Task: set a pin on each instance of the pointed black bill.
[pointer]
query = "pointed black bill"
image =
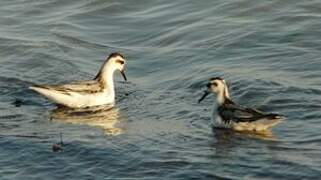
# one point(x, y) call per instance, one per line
point(204, 96)
point(123, 74)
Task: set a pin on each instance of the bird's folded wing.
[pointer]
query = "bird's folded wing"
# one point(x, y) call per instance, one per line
point(238, 113)
point(77, 87)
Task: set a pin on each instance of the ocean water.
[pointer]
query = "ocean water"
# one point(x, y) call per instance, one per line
point(268, 51)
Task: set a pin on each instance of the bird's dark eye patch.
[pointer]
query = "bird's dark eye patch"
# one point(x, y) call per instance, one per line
point(214, 84)
point(120, 61)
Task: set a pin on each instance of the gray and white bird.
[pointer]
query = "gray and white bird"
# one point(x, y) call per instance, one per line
point(228, 114)
point(82, 94)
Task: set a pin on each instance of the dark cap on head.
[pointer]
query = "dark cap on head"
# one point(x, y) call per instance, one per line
point(114, 54)
point(216, 78)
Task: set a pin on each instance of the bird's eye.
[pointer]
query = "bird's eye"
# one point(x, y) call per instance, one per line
point(120, 61)
point(214, 84)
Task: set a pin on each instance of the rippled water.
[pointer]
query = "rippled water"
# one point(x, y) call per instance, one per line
point(269, 52)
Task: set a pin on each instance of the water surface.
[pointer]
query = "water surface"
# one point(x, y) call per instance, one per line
point(268, 51)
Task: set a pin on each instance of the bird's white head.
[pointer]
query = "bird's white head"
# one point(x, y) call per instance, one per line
point(118, 62)
point(218, 87)
point(115, 61)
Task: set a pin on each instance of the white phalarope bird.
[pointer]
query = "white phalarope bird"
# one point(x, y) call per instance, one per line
point(82, 94)
point(234, 116)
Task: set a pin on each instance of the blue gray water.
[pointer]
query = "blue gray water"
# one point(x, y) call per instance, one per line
point(268, 51)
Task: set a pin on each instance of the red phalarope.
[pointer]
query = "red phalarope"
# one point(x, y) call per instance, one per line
point(234, 116)
point(96, 92)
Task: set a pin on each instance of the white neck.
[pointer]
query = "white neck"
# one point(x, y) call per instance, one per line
point(223, 95)
point(220, 98)
point(106, 77)
point(227, 94)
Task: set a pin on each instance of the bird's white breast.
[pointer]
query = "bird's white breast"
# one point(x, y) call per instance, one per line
point(85, 100)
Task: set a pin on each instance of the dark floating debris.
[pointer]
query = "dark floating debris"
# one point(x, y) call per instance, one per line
point(58, 146)
point(17, 102)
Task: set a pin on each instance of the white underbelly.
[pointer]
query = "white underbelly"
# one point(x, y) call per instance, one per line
point(259, 125)
point(79, 100)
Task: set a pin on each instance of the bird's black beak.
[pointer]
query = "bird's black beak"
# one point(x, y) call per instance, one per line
point(123, 74)
point(204, 96)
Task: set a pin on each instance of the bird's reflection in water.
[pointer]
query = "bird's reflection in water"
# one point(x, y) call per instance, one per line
point(227, 134)
point(226, 140)
point(104, 117)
